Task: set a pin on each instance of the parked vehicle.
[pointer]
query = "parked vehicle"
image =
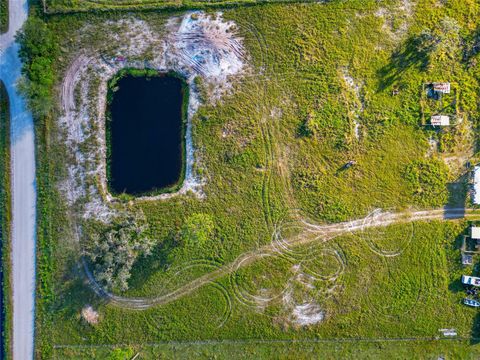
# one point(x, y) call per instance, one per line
point(471, 302)
point(470, 280)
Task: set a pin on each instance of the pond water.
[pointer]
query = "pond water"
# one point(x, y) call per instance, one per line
point(145, 134)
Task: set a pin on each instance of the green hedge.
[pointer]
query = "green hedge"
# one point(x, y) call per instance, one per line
point(5, 215)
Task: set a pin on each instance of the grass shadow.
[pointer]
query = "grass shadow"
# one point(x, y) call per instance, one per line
point(77, 293)
point(457, 197)
point(456, 285)
point(146, 266)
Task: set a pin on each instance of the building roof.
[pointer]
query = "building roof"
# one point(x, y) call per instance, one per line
point(442, 87)
point(440, 120)
point(475, 232)
point(476, 185)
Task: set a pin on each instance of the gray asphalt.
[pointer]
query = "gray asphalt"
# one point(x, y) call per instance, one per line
point(23, 191)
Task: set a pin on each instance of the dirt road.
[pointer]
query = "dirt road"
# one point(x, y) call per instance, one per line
point(23, 190)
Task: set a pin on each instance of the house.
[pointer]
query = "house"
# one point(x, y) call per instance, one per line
point(476, 185)
point(441, 87)
point(440, 120)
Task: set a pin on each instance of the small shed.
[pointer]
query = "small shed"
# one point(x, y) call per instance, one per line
point(476, 185)
point(440, 120)
point(442, 87)
point(475, 232)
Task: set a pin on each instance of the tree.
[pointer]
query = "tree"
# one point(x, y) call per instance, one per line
point(114, 248)
point(38, 51)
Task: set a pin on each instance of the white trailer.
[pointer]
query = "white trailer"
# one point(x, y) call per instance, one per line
point(442, 87)
point(440, 120)
point(470, 280)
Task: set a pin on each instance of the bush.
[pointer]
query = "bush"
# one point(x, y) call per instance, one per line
point(198, 238)
point(37, 50)
point(114, 248)
point(197, 230)
point(121, 354)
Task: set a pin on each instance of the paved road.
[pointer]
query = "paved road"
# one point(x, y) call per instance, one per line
point(23, 191)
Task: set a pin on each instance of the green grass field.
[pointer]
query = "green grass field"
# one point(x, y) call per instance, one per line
point(322, 95)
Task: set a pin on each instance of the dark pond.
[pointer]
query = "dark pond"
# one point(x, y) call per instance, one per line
point(145, 134)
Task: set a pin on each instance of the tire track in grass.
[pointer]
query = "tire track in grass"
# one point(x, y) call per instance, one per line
point(323, 234)
point(375, 248)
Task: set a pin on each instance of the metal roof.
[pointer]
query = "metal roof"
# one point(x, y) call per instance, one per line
point(476, 185)
point(440, 120)
point(475, 232)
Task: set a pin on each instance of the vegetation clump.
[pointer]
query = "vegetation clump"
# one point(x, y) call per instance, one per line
point(113, 249)
point(38, 48)
point(197, 230)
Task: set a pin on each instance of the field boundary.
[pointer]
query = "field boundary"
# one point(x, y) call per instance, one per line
point(265, 341)
point(5, 224)
point(184, 6)
point(153, 6)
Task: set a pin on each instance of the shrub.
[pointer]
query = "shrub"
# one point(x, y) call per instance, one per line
point(37, 50)
point(197, 230)
point(114, 248)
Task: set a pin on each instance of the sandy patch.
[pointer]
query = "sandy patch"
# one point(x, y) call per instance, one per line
point(359, 104)
point(90, 315)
